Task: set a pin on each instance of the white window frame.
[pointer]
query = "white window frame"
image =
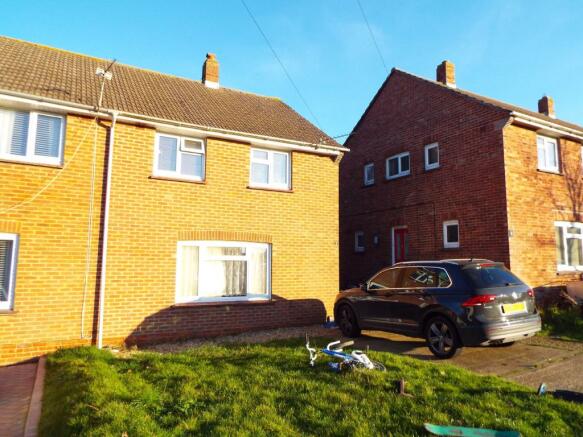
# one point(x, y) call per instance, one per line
point(180, 142)
point(30, 156)
point(357, 247)
point(451, 244)
point(9, 304)
point(565, 225)
point(270, 164)
point(434, 165)
point(545, 142)
point(368, 181)
point(217, 243)
point(400, 173)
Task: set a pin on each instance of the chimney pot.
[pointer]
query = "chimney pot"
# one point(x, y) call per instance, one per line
point(546, 105)
point(445, 73)
point(210, 71)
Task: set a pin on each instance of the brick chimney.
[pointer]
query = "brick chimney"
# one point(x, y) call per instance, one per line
point(446, 73)
point(546, 105)
point(210, 71)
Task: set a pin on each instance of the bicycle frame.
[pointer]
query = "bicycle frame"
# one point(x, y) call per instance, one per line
point(334, 349)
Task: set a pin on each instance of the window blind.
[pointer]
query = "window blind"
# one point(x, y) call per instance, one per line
point(48, 134)
point(5, 259)
point(19, 133)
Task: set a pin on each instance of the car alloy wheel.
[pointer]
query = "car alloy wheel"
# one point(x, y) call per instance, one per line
point(347, 322)
point(441, 338)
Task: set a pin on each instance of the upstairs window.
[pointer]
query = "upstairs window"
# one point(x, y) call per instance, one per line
point(432, 156)
point(179, 157)
point(31, 137)
point(359, 241)
point(8, 250)
point(222, 271)
point(369, 174)
point(398, 166)
point(569, 245)
point(548, 154)
point(451, 234)
point(270, 169)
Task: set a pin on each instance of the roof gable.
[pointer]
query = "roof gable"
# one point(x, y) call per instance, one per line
point(69, 77)
point(478, 99)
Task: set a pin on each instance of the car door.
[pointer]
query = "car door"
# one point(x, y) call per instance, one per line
point(373, 308)
point(411, 297)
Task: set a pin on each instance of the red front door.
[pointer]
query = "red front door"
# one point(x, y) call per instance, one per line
point(400, 243)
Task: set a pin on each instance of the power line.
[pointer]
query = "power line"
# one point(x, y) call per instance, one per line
point(281, 64)
point(374, 40)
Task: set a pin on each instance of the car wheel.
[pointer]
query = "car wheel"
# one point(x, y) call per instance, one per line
point(442, 338)
point(347, 322)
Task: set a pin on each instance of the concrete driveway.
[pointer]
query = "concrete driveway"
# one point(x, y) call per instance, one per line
point(558, 363)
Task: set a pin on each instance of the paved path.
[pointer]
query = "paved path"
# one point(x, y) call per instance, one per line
point(557, 363)
point(16, 383)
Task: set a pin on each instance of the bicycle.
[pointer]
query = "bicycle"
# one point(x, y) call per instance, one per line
point(355, 360)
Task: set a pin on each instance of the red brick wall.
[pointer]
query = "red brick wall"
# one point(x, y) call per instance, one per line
point(536, 200)
point(407, 114)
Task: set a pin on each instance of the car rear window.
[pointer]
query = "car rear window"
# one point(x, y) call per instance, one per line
point(491, 275)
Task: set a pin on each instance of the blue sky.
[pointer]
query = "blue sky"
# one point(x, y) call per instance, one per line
point(515, 51)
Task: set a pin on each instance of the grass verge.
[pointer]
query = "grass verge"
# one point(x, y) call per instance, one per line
point(566, 324)
point(266, 389)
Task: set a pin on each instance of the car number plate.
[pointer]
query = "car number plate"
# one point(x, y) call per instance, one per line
point(513, 308)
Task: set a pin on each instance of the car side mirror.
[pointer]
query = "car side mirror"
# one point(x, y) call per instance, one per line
point(364, 286)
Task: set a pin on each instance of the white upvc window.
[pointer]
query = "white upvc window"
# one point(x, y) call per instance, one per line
point(548, 154)
point(432, 156)
point(569, 245)
point(369, 174)
point(270, 169)
point(398, 166)
point(178, 157)
point(451, 234)
point(32, 137)
point(359, 241)
point(8, 259)
point(222, 271)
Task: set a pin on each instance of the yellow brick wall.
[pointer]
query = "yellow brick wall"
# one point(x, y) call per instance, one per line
point(53, 231)
point(147, 218)
point(535, 200)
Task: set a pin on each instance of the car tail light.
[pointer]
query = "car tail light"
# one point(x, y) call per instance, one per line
point(479, 300)
point(530, 292)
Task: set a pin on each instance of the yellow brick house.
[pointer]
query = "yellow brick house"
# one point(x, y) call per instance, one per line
point(137, 206)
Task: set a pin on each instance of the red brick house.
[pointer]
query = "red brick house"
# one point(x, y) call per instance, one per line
point(161, 208)
point(439, 172)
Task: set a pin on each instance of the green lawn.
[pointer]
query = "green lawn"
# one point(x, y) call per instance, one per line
point(270, 389)
point(566, 324)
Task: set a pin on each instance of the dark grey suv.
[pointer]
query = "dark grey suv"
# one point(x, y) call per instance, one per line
point(450, 303)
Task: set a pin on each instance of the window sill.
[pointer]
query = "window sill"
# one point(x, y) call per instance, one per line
point(394, 178)
point(279, 190)
point(558, 173)
point(427, 170)
point(36, 164)
point(569, 272)
point(367, 185)
point(224, 303)
point(166, 178)
point(451, 248)
point(8, 312)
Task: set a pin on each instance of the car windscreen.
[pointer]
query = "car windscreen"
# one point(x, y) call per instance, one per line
point(490, 275)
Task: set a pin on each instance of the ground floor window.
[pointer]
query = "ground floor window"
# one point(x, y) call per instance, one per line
point(451, 234)
point(569, 245)
point(222, 270)
point(8, 251)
